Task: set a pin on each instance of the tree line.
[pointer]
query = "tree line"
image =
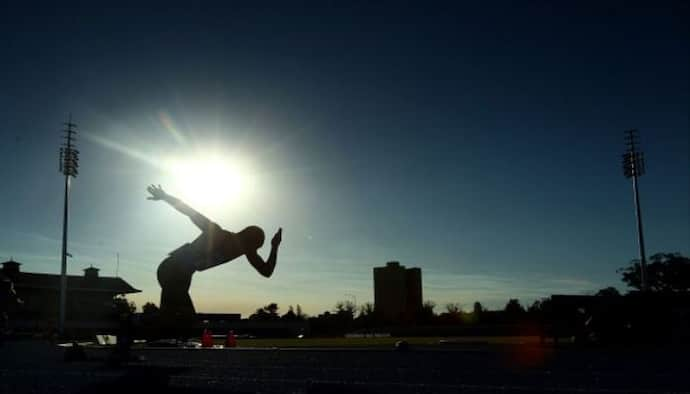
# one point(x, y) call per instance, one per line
point(666, 273)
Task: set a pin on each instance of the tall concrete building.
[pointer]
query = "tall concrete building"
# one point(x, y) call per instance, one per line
point(397, 292)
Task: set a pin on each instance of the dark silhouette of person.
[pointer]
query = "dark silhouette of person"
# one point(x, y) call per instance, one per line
point(7, 297)
point(214, 246)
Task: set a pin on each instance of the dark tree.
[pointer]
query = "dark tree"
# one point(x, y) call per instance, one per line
point(427, 314)
point(339, 322)
point(367, 317)
point(541, 309)
point(289, 315)
point(452, 315)
point(513, 307)
point(272, 309)
point(300, 315)
point(150, 323)
point(539, 306)
point(514, 312)
point(608, 292)
point(453, 308)
point(122, 306)
point(149, 308)
point(429, 305)
point(666, 272)
point(345, 309)
point(477, 309)
point(268, 312)
point(366, 310)
point(294, 314)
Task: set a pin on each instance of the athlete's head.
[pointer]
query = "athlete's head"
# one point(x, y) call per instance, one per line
point(252, 237)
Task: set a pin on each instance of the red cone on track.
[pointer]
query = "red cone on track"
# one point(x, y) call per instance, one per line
point(231, 340)
point(207, 338)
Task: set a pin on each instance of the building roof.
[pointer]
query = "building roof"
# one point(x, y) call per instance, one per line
point(74, 283)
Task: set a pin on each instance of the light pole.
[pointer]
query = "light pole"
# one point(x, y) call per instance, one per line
point(633, 167)
point(69, 163)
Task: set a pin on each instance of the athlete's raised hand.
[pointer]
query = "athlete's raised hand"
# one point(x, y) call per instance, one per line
point(277, 238)
point(157, 193)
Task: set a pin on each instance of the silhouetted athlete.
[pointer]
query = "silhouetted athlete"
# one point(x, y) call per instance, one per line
point(214, 246)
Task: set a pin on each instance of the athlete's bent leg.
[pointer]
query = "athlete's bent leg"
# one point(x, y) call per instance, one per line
point(177, 312)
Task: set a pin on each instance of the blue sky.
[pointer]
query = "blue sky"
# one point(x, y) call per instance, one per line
point(480, 144)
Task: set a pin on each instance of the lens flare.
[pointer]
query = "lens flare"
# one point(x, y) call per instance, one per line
point(169, 124)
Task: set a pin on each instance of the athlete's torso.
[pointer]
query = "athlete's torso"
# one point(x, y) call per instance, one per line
point(212, 247)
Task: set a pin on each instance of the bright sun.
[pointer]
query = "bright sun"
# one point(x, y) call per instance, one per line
point(209, 182)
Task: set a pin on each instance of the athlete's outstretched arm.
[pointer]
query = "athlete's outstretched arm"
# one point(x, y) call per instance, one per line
point(157, 193)
point(265, 268)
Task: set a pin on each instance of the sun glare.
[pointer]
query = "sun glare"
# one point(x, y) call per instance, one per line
point(209, 182)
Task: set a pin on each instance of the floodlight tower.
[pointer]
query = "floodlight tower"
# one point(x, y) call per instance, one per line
point(69, 163)
point(633, 167)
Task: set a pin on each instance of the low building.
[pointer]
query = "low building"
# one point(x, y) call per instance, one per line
point(89, 302)
point(397, 292)
point(218, 322)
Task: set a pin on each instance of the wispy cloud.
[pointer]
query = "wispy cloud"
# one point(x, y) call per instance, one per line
point(124, 149)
